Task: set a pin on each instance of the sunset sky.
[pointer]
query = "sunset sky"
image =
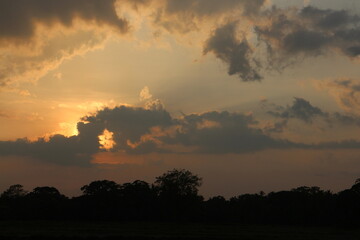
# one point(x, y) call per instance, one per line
point(250, 95)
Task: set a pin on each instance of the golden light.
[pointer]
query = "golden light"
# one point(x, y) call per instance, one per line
point(106, 140)
point(68, 129)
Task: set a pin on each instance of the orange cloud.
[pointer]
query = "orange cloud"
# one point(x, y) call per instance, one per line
point(346, 92)
point(40, 35)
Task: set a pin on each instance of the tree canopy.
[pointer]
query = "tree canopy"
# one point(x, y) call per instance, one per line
point(100, 187)
point(14, 191)
point(178, 182)
point(174, 196)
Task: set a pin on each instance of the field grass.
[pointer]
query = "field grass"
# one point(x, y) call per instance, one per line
point(162, 231)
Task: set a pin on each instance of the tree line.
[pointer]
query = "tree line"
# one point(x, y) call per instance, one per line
point(174, 196)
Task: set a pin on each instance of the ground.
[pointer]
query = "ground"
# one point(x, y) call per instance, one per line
point(162, 231)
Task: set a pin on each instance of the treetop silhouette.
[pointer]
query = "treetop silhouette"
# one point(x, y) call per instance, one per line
point(100, 187)
point(178, 183)
point(174, 196)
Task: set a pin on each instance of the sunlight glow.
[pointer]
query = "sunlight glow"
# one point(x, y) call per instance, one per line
point(68, 129)
point(106, 140)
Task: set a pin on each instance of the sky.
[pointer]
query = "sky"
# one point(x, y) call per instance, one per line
point(251, 95)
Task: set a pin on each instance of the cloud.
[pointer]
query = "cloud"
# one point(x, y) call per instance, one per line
point(145, 94)
point(151, 103)
point(328, 19)
point(304, 41)
point(36, 36)
point(282, 38)
point(126, 123)
point(345, 91)
point(346, 144)
point(131, 130)
point(298, 33)
point(234, 52)
point(183, 18)
point(58, 149)
point(303, 110)
point(251, 37)
point(347, 119)
point(306, 3)
point(19, 18)
point(276, 127)
point(247, 35)
point(154, 104)
point(189, 15)
point(17, 66)
point(140, 131)
point(231, 133)
point(300, 109)
point(212, 7)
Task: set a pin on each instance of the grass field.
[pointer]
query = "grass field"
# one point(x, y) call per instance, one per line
point(162, 231)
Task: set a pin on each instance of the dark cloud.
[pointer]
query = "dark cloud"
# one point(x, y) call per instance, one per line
point(305, 41)
point(328, 19)
point(346, 144)
point(222, 132)
point(288, 36)
point(308, 32)
point(276, 127)
point(212, 7)
point(58, 149)
point(18, 18)
point(134, 133)
point(36, 36)
point(300, 109)
point(186, 15)
point(127, 123)
point(346, 92)
point(284, 37)
point(146, 147)
point(346, 119)
point(352, 51)
point(236, 53)
point(303, 110)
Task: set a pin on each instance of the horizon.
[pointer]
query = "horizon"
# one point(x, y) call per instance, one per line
point(153, 184)
point(251, 95)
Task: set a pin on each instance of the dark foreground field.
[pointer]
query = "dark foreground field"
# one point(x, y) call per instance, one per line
point(111, 230)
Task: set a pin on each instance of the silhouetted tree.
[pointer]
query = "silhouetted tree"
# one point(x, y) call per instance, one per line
point(46, 192)
point(14, 191)
point(138, 200)
point(46, 203)
point(175, 196)
point(178, 193)
point(178, 183)
point(101, 187)
point(216, 209)
point(100, 200)
point(12, 202)
point(347, 205)
point(311, 205)
point(356, 186)
point(136, 191)
point(249, 208)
